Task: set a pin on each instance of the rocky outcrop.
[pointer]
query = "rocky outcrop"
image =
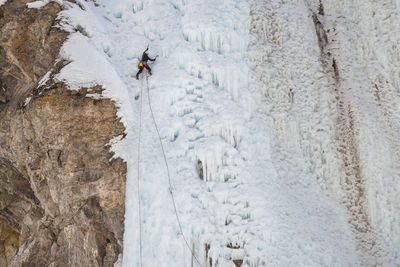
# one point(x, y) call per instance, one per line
point(62, 194)
point(29, 43)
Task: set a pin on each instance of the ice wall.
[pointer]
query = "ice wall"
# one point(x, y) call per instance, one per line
point(364, 38)
point(329, 74)
point(279, 120)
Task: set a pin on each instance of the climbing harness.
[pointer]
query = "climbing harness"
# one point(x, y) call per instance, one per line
point(168, 174)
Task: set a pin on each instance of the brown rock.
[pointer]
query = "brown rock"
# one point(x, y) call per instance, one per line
point(62, 198)
point(8, 243)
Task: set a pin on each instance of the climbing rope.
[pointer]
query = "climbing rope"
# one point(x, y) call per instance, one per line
point(169, 176)
point(138, 175)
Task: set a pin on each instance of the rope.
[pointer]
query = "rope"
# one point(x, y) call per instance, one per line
point(169, 176)
point(138, 174)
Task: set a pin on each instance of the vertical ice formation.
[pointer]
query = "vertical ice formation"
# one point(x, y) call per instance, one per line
point(260, 107)
point(345, 105)
point(362, 55)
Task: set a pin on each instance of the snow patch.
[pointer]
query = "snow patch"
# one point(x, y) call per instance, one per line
point(27, 100)
point(80, 72)
point(42, 3)
point(45, 78)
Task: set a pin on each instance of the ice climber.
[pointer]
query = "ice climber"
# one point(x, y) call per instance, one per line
point(143, 63)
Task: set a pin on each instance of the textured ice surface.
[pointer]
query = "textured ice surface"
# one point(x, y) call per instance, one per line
point(251, 167)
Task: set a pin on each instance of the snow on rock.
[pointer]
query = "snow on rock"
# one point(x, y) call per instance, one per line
point(41, 3)
point(27, 100)
point(37, 4)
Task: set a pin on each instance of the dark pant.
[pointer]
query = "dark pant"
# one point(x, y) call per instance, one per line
point(141, 69)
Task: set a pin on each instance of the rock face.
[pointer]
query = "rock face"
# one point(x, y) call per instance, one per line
point(61, 195)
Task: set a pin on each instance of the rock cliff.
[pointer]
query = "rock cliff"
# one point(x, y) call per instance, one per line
point(62, 197)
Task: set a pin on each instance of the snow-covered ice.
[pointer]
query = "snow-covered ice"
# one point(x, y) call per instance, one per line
point(252, 173)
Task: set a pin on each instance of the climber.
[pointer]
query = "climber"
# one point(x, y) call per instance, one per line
point(143, 63)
